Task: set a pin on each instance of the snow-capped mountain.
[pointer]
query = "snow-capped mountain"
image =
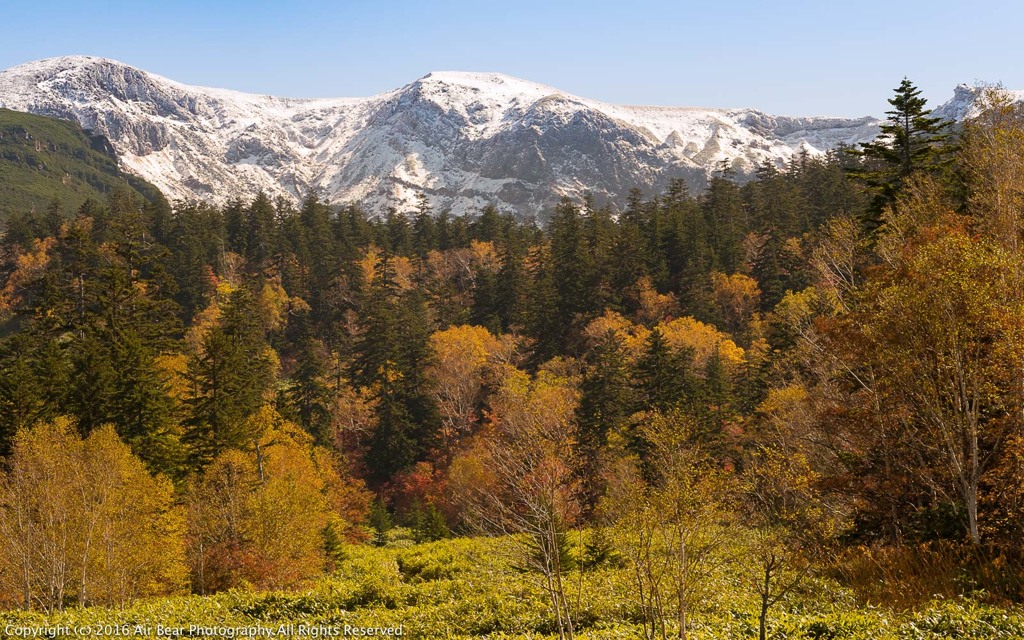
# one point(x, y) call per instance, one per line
point(463, 139)
point(967, 101)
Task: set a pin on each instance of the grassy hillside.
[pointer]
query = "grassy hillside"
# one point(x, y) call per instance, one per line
point(467, 588)
point(44, 159)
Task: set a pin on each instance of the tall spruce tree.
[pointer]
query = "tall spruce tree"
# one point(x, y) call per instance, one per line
point(911, 140)
point(424, 228)
point(664, 376)
point(725, 221)
point(310, 394)
point(390, 360)
point(230, 375)
point(607, 396)
point(572, 269)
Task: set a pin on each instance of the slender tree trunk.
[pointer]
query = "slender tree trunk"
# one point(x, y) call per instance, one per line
point(763, 619)
point(765, 602)
point(554, 602)
point(681, 589)
point(559, 585)
point(972, 511)
point(259, 461)
point(972, 489)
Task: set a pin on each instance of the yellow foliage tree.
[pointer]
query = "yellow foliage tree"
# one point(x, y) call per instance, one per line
point(258, 517)
point(27, 267)
point(736, 297)
point(670, 530)
point(654, 307)
point(461, 357)
point(995, 167)
point(703, 340)
point(139, 532)
point(630, 335)
point(402, 266)
point(520, 477)
point(353, 416)
point(84, 521)
point(944, 339)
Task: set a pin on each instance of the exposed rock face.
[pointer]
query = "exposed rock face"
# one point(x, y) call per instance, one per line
point(464, 139)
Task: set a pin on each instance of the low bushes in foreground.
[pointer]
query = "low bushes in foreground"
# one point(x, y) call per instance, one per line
point(471, 588)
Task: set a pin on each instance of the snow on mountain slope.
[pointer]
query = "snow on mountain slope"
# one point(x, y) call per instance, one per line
point(464, 139)
point(967, 100)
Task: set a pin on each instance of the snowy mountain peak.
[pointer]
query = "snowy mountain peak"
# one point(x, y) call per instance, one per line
point(64, 63)
point(463, 139)
point(967, 101)
point(495, 86)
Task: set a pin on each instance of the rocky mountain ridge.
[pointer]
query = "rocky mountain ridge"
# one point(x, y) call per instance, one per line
point(463, 139)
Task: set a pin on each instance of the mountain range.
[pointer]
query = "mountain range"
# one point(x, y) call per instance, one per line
point(464, 140)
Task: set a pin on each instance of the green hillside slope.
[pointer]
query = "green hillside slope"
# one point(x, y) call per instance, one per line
point(43, 160)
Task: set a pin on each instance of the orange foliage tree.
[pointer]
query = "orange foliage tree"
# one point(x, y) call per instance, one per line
point(461, 357)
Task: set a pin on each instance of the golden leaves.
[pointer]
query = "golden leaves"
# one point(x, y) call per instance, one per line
point(737, 297)
point(84, 519)
point(703, 339)
point(256, 516)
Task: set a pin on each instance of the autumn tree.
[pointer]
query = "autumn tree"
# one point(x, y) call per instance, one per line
point(736, 298)
point(942, 334)
point(787, 521)
point(259, 516)
point(458, 369)
point(994, 165)
point(84, 521)
point(671, 530)
point(523, 481)
point(134, 541)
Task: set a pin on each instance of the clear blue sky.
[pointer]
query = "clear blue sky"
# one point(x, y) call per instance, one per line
point(789, 56)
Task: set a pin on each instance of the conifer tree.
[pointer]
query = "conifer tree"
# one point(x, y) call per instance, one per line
point(664, 376)
point(676, 218)
point(485, 311)
point(390, 359)
point(487, 227)
point(911, 140)
point(398, 233)
point(628, 253)
point(260, 232)
point(572, 270)
point(229, 375)
point(543, 318)
point(424, 228)
point(23, 397)
point(322, 251)
point(607, 398)
point(310, 394)
point(196, 250)
point(725, 221)
point(510, 285)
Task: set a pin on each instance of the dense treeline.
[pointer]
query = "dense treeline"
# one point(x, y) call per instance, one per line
point(178, 325)
point(826, 354)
